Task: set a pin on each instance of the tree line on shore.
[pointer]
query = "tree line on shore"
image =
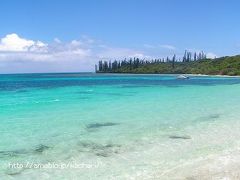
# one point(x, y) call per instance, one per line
point(190, 63)
point(134, 63)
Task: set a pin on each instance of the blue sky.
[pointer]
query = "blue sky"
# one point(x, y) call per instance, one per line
point(71, 35)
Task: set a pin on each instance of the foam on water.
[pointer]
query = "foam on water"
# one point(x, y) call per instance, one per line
point(119, 126)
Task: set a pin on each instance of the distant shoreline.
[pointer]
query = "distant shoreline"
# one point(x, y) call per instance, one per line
point(210, 75)
point(228, 65)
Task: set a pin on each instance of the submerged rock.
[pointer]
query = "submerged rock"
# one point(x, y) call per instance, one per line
point(105, 150)
point(102, 154)
point(91, 146)
point(214, 116)
point(179, 137)
point(40, 148)
point(98, 125)
point(96, 146)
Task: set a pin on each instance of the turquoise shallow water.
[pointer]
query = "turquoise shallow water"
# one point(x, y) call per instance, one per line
point(114, 126)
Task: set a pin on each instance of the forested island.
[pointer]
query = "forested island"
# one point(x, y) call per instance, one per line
point(190, 63)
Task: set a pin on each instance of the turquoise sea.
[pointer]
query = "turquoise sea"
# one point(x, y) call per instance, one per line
point(117, 126)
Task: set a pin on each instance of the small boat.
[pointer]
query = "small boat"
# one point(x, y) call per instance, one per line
point(182, 77)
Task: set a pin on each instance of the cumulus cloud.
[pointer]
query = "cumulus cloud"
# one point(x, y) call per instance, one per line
point(12, 42)
point(15, 48)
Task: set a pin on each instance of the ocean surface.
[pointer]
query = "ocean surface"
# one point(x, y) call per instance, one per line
point(117, 126)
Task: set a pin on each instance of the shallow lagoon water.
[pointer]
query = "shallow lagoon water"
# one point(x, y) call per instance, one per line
point(117, 126)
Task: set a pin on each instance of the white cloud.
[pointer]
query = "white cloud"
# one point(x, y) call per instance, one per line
point(14, 48)
point(12, 42)
point(211, 55)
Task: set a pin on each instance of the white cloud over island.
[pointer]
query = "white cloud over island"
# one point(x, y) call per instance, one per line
point(18, 54)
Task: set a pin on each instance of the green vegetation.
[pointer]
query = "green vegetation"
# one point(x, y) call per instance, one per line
point(189, 64)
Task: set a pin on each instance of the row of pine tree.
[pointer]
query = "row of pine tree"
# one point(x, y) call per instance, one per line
point(132, 63)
